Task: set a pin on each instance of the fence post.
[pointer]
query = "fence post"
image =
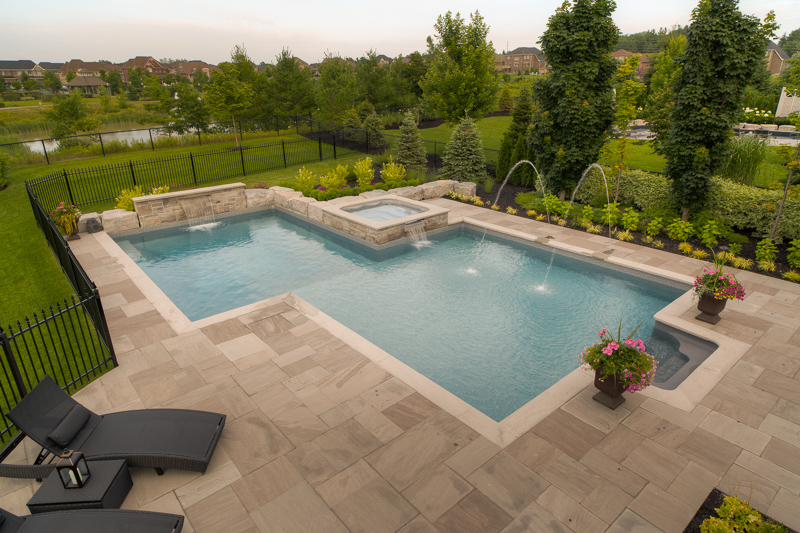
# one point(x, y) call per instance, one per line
point(435, 144)
point(12, 364)
point(153, 146)
point(240, 131)
point(334, 145)
point(277, 127)
point(194, 174)
point(69, 190)
point(283, 147)
point(367, 132)
point(45, 152)
point(103, 148)
point(130, 163)
point(296, 125)
point(320, 148)
point(200, 142)
point(241, 154)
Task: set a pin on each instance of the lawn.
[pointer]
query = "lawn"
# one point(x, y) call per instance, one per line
point(32, 277)
point(491, 130)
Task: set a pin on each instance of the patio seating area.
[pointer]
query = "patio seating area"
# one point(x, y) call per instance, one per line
point(321, 438)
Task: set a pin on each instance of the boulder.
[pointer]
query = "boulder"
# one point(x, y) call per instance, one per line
point(769, 127)
point(467, 188)
point(412, 193)
point(283, 194)
point(116, 220)
point(787, 127)
point(90, 223)
point(373, 194)
point(437, 189)
point(344, 200)
point(258, 197)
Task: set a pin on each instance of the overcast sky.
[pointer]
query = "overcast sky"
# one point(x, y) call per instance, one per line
point(58, 30)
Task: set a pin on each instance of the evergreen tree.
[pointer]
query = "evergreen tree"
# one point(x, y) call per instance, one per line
point(410, 150)
point(524, 174)
point(290, 87)
point(506, 102)
point(723, 50)
point(373, 81)
point(374, 128)
point(518, 128)
point(627, 92)
point(504, 156)
point(463, 158)
point(461, 77)
point(335, 88)
point(351, 127)
point(575, 106)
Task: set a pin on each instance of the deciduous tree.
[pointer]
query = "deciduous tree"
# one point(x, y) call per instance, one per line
point(291, 86)
point(575, 106)
point(335, 88)
point(660, 98)
point(70, 116)
point(628, 90)
point(461, 79)
point(227, 94)
point(51, 82)
point(723, 50)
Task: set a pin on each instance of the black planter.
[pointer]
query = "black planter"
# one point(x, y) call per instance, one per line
point(611, 389)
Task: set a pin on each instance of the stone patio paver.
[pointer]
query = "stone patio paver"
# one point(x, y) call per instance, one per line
point(321, 438)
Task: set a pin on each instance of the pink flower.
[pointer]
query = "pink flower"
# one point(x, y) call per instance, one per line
point(613, 346)
point(630, 343)
point(607, 350)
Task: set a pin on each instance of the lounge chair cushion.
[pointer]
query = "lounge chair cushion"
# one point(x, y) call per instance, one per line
point(70, 426)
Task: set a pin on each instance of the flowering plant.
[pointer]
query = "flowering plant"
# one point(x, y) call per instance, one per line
point(623, 357)
point(66, 216)
point(723, 285)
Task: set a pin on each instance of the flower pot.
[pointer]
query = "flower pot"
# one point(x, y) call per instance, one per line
point(73, 235)
point(710, 308)
point(611, 389)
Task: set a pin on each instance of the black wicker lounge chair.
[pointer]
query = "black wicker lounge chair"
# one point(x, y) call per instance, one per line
point(159, 438)
point(91, 521)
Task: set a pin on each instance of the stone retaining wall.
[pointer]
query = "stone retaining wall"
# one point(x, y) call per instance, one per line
point(162, 208)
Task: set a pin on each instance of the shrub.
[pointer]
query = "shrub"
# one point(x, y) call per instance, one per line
point(374, 127)
point(734, 249)
point(747, 154)
point(364, 171)
point(624, 236)
point(680, 230)
point(792, 276)
point(530, 213)
point(126, 196)
point(511, 211)
point(630, 220)
point(463, 158)
point(742, 263)
point(735, 515)
point(335, 179)
point(351, 127)
point(766, 266)
point(594, 228)
point(793, 253)
point(685, 248)
point(709, 234)
point(306, 179)
point(506, 102)
point(645, 191)
point(587, 214)
point(658, 244)
point(392, 172)
point(488, 184)
point(766, 251)
point(4, 164)
point(654, 227)
point(699, 254)
point(410, 151)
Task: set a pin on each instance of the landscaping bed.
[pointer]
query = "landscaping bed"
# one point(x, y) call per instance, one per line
point(709, 509)
point(748, 249)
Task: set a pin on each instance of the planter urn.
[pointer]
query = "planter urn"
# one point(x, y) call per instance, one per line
point(710, 308)
point(611, 389)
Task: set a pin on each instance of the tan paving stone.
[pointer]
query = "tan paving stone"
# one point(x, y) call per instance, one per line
point(207, 484)
point(270, 326)
point(630, 522)
point(709, 451)
point(266, 312)
point(298, 510)
point(476, 512)
point(216, 368)
point(377, 424)
point(619, 443)
point(237, 402)
point(352, 381)
point(437, 491)
point(508, 483)
point(253, 441)
point(311, 376)
point(225, 331)
point(693, 485)
point(779, 385)
point(474, 455)
point(786, 365)
point(300, 425)
point(311, 464)
point(570, 512)
point(346, 483)
point(293, 356)
point(607, 502)
point(375, 508)
point(300, 366)
point(275, 399)
point(784, 509)
point(418, 525)
point(745, 371)
point(787, 410)
point(346, 443)
point(735, 410)
point(573, 478)
point(593, 413)
point(410, 411)
point(337, 359)
point(243, 346)
point(169, 503)
point(662, 509)
point(770, 471)
point(655, 463)
point(267, 483)
point(190, 348)
point(736, 433)
point(315, 399)
point(567, 433)
point(259, 377)
point(783, 454)
point(781, 428)
point(657, 429)
point(749, 486)
point(611, 471)
point(344, 411)
point(387, 393)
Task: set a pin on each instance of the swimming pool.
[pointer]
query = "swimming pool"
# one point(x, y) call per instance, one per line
point(493, 321)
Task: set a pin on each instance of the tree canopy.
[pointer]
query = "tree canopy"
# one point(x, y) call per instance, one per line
point(291, 86)
point(70, 116)
point(660, 97)
point(461, 79)
point(724, 48)
point(575, 102)
point(230, 89)
point(335, 88)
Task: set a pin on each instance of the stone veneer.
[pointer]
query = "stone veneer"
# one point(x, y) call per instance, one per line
point(162, 208)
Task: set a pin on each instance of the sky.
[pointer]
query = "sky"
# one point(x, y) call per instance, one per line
point(57, 31)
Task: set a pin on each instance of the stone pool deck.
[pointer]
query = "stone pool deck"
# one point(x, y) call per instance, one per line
point(320, 438)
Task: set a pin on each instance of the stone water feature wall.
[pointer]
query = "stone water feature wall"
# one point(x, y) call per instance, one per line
point(163, 208)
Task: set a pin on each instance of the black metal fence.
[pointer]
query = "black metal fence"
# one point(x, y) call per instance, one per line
point(70, 343)
point(93, 185)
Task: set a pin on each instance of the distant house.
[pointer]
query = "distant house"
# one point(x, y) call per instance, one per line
point(188, 68)
point(89, 68)
point(148, 64)
point(55, 68)
point(11, 71)
point(622, 55)
point(352, 64)
point(777, 59)
point(384, 60)
point(521, 59)
point(86, 84)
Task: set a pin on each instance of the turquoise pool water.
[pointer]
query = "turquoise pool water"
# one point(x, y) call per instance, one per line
point(492, 321)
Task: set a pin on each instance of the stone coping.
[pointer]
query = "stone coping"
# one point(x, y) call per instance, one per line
point(343, 211)
point(202, 191)
point(685, 396)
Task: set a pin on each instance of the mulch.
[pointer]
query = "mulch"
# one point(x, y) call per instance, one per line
point(709, 509)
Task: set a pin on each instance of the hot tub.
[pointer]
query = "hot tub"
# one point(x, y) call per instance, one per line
point(385, 210)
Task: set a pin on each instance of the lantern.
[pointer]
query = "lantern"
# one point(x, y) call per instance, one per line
point(72, 469)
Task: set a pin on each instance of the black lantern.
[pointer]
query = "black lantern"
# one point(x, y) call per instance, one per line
point(72, 469)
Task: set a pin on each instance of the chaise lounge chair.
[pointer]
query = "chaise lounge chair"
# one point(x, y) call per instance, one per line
point(159, 438)
point(91, 521)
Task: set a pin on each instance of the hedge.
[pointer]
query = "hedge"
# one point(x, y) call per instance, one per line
point(742, 207)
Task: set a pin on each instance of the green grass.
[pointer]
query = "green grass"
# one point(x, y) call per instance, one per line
point(491, 130)
point(25, 103)
point(32, 278)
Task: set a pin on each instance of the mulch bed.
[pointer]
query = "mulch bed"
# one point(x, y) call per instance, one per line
point(709, 509)
point(508, 199)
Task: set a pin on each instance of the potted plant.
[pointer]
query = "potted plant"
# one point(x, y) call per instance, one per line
point(66, 217)
point(714, 288)
point(620, 365)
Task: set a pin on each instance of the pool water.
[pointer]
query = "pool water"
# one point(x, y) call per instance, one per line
point(492, 321)
point(383, 212)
